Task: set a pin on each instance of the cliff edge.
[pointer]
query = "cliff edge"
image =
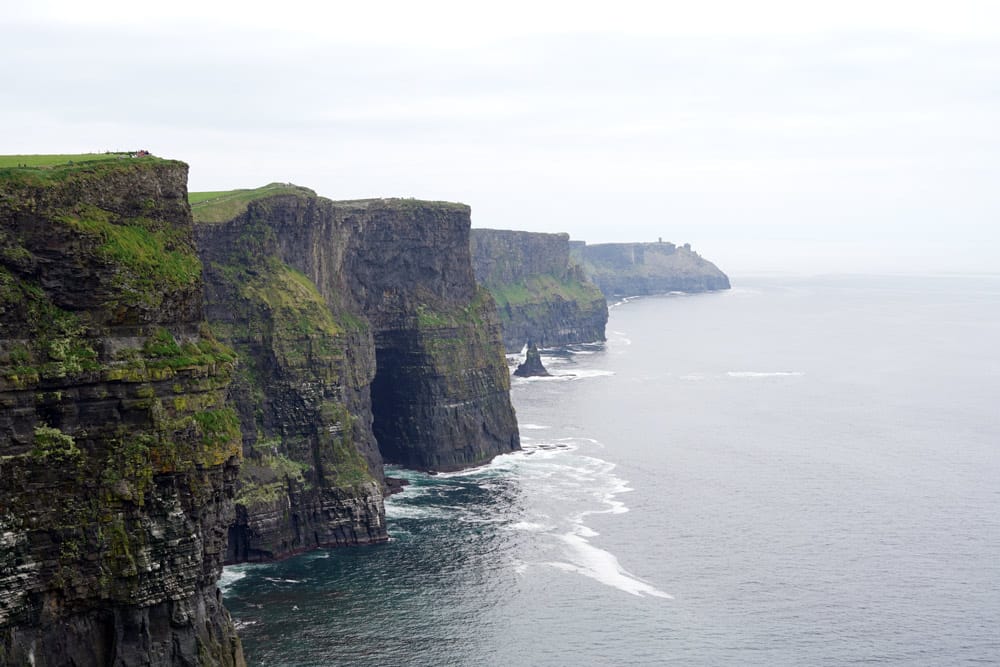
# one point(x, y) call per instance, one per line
point(632, 269)
point(118, 455)
point(541, 295)
point(312, 473)
point(364, 337)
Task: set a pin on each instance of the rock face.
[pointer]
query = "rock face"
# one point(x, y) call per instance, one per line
point(541, 294)
point(441, 394)
point(356, 320)
point(118, 456)
point(631, 269)
point(532, 366)
point(312, 473)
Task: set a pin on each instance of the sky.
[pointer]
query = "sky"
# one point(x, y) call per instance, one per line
point(774, 136)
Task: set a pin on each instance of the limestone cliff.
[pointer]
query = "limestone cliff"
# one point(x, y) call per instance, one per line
point(118, 456)
point(312, 474)
point(356, 320)
point(541, 294)
point(441, 391)
point(631, 269)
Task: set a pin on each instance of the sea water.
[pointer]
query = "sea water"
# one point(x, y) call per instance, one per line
point(795, 471)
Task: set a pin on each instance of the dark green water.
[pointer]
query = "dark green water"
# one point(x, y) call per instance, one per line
point(793, 472)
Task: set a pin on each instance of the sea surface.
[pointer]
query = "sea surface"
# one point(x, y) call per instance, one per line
point(793, 472)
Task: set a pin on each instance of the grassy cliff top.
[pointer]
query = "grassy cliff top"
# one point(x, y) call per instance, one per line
point(403, 203)
point(47, 161)
point(226, 205)
point(50, 169)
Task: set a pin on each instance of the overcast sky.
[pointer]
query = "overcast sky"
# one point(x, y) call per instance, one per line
point(773, 136)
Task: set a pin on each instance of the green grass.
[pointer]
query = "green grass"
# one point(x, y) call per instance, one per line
point(224, 206)
point(49, 170)
point(156, 253)
point(36, 161)
point(162, 351)
point(544, 287)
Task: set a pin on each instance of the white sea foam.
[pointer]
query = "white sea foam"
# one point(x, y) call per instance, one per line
point(400, 511)
point(566, 377)
point(532, 427)
point(230, 575)
point(573, 487)
point(600, 565)
point(769, 374)
point(623, 301)
point(531, 526)
point(583, 486)
point(619, 338)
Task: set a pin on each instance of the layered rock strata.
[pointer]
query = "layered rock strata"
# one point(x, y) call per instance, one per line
point(441, 394)
point(541, 294)
point(358, 320)
point(118, 456)
point(632, 269)
point(312, 473)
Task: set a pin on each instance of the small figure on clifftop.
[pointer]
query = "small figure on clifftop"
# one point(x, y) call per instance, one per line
point(532, 366)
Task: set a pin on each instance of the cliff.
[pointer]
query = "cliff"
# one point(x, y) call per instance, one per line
point(630, 269)
point(118, 456)
point(441, 394)
point(312, 473)
point(356, 320)
point(541, 294)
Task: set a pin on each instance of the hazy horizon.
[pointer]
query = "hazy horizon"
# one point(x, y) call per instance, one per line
point(776, 137)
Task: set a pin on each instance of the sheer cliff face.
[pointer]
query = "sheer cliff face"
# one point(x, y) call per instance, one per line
point(541, 295)
point(380, 316)
point(630, 269)
point(118, 455)
point(441, 392)
point(312, 474)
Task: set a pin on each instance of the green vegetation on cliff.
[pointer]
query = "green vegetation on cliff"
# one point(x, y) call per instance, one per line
point(36, 161)
point(292, 386)
point(117, 450)
point(154, 252)
point(543, 287)
point(226, 205)
point(38, 170)
point(541, 295)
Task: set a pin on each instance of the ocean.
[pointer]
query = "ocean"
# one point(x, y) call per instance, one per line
point(797, 471)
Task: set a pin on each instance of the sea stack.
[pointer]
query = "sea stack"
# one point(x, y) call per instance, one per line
point(532, 366)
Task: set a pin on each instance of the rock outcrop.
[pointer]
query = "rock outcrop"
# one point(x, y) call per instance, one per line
point(541, 294)
point(632, 269)
point(348, 332)
point(356, 320)
point(312, 473)
point(532, 365)
point(441, 394)
point(118, 456)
